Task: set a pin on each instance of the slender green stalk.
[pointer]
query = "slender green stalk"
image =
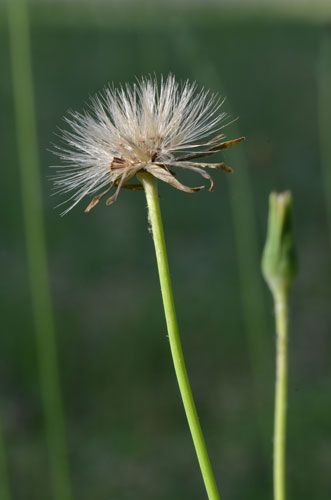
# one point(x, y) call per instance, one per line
point(154, 214)
point(4, 479)
point(281, 313)
point(279, 267)
point(19, 38)
point(324, 117)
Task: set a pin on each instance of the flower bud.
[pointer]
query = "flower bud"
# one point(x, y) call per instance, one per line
point(279, 261)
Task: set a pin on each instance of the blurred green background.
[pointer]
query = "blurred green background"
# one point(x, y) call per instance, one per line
point(126, 429)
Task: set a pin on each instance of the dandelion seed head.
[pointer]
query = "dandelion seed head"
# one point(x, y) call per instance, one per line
point(147, 126)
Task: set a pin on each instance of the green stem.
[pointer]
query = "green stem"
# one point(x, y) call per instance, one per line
point(154, 214)
point(19, 42)
point(280, 299)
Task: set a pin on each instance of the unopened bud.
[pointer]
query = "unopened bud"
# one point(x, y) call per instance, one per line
point(279, 265)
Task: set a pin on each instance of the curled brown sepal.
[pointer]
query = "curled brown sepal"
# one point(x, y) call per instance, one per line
point(164, 175)
point(227, 144)
point(210, 148)
point(194, 167)
point(96, 200)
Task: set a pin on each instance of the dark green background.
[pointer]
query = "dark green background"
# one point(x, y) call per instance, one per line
point(127, 432)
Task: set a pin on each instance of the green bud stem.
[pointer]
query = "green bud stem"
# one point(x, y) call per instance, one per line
point(279, 465)
point(155, 220)
point(279, 268)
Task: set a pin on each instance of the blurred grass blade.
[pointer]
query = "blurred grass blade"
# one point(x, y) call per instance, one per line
point(248, 258)
point(251, 285)
point(324, 116)
point(4, 479)
point(19, 38)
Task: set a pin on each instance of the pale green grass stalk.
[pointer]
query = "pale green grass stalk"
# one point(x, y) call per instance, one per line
point(324, 117)
point(279, 466)
point(4, 479)
point(279, 269)
point(155, 220)
point(19, 37)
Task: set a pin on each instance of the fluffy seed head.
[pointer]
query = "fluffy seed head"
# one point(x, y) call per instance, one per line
point(147, 127)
